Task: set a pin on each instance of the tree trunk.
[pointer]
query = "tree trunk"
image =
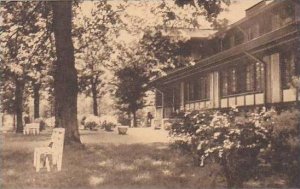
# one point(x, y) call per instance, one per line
point(65, 74)
point(134, 119)
point(19, 104)
point(14, 121)
point(95, 103)
point(36, 100)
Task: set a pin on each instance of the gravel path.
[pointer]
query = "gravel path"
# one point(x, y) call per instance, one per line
point(134, 135)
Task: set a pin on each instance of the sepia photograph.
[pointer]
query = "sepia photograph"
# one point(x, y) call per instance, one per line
point(149, 94)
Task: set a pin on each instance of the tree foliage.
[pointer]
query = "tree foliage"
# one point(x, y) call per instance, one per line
point(131, 88)
point(234, 140)
point(210, 8)
point(25, 39)
point(94, 38)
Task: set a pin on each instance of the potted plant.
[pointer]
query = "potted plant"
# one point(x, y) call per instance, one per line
point(122, 130)
point(108, 126)
point(91, 122)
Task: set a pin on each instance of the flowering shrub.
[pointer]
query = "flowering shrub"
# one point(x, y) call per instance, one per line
point(231, 139)
point(50, 122)
point(91, 122)
point(109, 119)
point(284, 154)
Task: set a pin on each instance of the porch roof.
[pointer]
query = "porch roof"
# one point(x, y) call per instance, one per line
point(269, 40)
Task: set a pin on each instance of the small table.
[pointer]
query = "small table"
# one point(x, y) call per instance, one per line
point(33, 128)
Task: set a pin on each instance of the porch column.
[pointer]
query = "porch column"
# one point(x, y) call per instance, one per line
point(214, 89)
point(273, 79)
point(182, 105)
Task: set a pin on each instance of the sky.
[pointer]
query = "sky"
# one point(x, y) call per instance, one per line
point(235, 12)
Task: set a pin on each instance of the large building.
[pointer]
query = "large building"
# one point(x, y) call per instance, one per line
point(251, 64)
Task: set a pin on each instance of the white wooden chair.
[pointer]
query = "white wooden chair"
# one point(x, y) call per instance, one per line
point(33, 128)
point(55, 150)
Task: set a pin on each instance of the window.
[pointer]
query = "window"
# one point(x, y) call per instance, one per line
point(228, 82)
point(259, 77)
point(203, 88)
point(191, 91)
point(224, 83)
point(197, 89)
point(253, 32)
point(288, 68)
point(232, 81)
point(186, 91)
point(239, 38)
point(245, 77)
point(282, 16)
point(250, 74)
point(176, 94)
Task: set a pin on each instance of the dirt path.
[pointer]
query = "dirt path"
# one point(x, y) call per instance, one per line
point(134, 135)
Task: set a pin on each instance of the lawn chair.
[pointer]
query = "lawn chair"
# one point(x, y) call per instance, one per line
point(33, 128)
point(54, 150)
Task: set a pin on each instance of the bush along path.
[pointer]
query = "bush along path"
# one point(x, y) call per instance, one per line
point(243, 144)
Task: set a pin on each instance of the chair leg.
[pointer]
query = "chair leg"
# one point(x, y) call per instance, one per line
point(34, 158)
point(59, 162)
point(38, 161)
point(47, 163)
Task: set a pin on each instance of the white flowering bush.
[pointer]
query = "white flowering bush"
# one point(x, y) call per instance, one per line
point(91, 122)
point(50, 122)
point(232, 139)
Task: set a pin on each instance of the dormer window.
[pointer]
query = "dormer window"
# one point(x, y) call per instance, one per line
point(253, 32)
point(282, 16)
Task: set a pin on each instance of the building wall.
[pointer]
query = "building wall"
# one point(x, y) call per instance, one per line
point(272, 93)
point(274, 36)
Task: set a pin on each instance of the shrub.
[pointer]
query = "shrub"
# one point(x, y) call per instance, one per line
point(124, 120)
point(233, 140)
point(91, 122)
point(284, 154)
point(109, 126)
point(50, 122)
point(41, 122)
point(108, 119)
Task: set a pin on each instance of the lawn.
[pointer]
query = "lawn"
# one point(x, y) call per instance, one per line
point(104, 164)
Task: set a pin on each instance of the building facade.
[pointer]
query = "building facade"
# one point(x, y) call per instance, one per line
point(250, 64)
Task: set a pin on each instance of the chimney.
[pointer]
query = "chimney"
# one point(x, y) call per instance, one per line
point(255, 8)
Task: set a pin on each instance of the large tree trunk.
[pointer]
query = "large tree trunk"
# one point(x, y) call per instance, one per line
point(36, 100)
point(19, 104)
point(65, 74)
point(134, 119)
point(95, 103)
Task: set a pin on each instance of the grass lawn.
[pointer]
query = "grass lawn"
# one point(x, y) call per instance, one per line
point(103, 165)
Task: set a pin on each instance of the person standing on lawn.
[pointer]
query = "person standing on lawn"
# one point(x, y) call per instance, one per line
point(149, 119)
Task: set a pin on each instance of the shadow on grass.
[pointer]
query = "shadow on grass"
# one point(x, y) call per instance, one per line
point(20, 137)
point(108, 166)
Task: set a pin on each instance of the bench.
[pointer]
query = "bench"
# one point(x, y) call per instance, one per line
point(33, 128)
point(54, 150)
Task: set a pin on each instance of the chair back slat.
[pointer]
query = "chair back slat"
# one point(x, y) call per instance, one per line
point(57, 139)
